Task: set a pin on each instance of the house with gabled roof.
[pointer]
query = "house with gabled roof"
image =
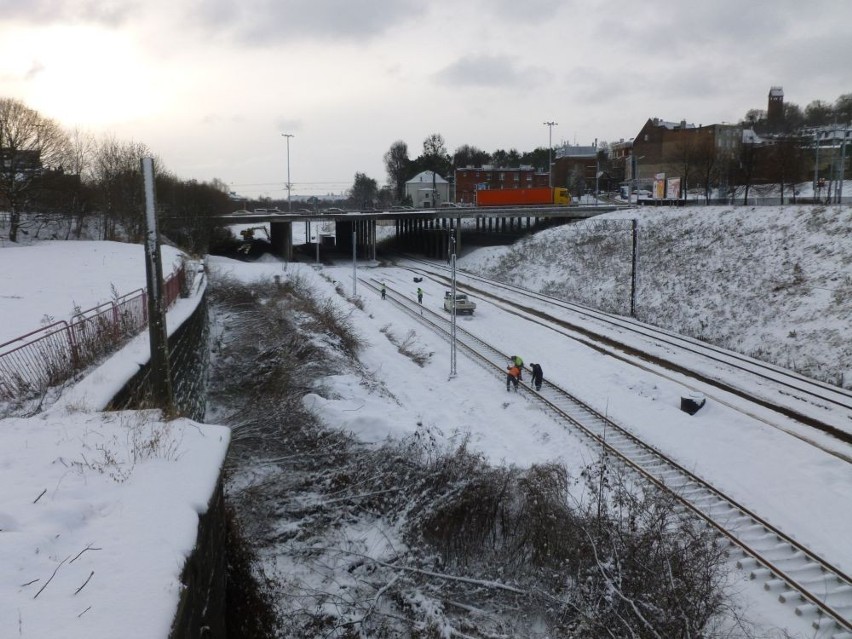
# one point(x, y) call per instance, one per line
point(427, 190)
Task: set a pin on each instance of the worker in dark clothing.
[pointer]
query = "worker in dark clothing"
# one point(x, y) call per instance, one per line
point(419, 295)
point(537, 376)
point(384, 292)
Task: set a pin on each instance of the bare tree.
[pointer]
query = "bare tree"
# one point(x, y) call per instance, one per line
point(706, 163)
point(77, 162)
point(118, 184)
point(28, 143)
point(684, 157)
point(785, 163)
point(396, 164)
point(435, 152)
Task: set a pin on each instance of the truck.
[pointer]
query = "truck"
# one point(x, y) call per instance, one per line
point(541, 196)
point(463, 304)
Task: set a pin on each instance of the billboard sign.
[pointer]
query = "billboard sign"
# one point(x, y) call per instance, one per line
point(659, 186)
point(673, 188)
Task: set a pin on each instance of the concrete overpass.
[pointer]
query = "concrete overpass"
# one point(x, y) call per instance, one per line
point(424, 231)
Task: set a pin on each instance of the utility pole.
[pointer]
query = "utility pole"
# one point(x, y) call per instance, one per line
point(597, 172)
point(842, 165)
point(550, 126)
point(289, 203)
point(453, 293)
point(161, 380)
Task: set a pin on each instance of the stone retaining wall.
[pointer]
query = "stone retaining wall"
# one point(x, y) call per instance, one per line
point(201, 610)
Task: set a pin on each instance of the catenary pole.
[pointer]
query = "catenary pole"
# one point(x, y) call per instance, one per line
point(453, 314)
point(289, 203)
point(161, 381)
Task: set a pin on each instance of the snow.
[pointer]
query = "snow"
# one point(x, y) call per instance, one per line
point(137, 518)
point(98, 511)
point(145, 524)
point(39, 285)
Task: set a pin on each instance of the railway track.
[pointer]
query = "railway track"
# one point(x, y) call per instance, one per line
point(811, 585)
point(810, 402)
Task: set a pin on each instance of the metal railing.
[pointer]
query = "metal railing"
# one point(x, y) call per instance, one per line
point(50, 355)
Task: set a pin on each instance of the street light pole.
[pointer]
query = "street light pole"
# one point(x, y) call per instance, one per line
point(550, 126)
point(289, 203)
point(597, 172)
point(453, 293)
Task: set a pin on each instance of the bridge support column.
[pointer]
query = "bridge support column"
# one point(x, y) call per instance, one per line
point(281, 239)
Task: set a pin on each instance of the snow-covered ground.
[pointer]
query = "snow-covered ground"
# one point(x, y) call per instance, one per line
point(801, 490)
point(98, 511)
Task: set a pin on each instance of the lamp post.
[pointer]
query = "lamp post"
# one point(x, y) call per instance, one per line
point(452, 249)
point(550, 126)
point(634, 177)
point(289, 203)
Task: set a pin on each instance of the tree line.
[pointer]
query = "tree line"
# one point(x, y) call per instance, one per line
point(48, 171)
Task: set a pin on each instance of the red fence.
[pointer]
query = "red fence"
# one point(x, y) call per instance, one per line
point(50, 355)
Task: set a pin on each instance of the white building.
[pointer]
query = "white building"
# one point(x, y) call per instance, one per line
point(426, 194)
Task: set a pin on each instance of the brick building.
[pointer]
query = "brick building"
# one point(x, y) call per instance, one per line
point(666, 147)
point(575, 167)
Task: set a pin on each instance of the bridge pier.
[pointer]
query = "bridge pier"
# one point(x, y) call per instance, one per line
point(281, 239)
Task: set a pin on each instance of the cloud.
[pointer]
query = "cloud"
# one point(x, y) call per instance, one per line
point(106, 12)
point(288, 125)
point(36, 68)
point(265, 22)
point(490, 71)
point(529, 11)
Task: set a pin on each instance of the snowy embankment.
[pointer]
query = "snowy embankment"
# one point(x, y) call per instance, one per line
point(98, 511)
point(771, 282)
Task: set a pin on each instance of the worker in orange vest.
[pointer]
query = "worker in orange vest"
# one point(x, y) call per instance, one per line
point(512, 375)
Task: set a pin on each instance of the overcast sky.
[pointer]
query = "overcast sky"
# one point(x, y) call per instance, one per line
point(210, 85)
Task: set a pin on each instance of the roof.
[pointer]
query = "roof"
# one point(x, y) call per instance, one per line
point(426, 176)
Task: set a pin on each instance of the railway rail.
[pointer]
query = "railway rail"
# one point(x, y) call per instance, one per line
point(816, 589)
point(807, 401)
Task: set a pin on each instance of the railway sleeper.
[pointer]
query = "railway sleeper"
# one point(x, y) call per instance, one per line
point(778, 551)
point(797, 561)
point(791, 597)
point(776, 585)
point(748, 563)
point(761, 573)
point(822, 622)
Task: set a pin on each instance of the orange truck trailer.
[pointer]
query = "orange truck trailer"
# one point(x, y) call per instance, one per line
point(541, 196)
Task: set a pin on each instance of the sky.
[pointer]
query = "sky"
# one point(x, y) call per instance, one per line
point(782, 477)
point(210, 86)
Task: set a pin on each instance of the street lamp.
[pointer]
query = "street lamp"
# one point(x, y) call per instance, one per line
point(452, 248)
point(289, 203)
point(550, 126)
point(634, 177)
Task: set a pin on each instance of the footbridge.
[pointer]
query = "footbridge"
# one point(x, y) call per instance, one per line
point(424, 231)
